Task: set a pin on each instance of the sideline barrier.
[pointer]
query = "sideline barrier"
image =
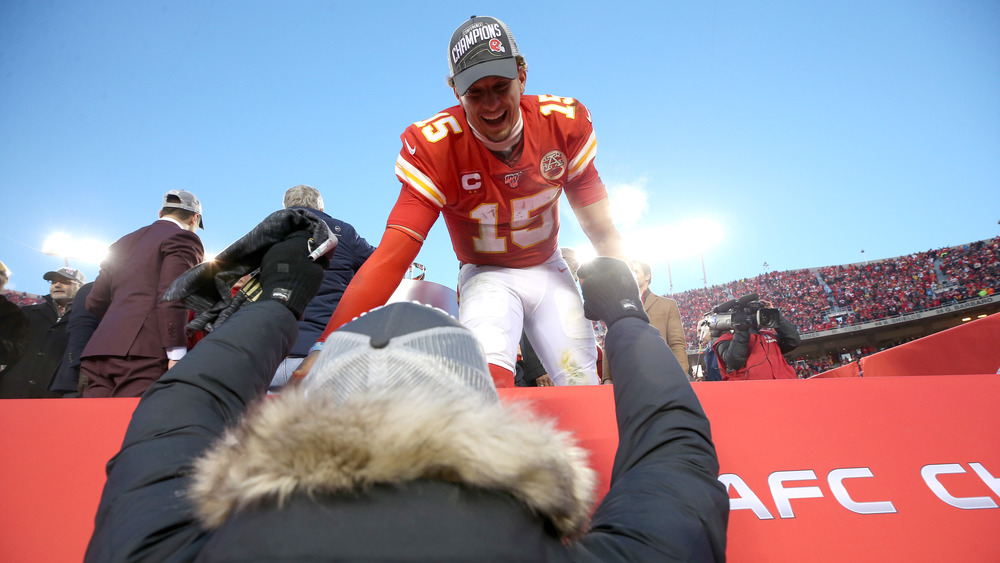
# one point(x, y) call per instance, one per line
point(972, 347)
point(855, 469)
point(969, 348)
point(846, 370)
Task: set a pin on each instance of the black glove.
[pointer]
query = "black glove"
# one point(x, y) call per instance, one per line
point(289, 276)
point(609, 290)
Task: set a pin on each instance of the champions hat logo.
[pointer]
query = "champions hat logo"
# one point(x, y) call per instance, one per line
point(475, 35)
point(481, 47)
point(553, 165)
point(496, 46)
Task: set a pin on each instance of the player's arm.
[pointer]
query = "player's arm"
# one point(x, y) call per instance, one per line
point(380, 275)
point(372, 286)
point(595, 220)
point(378, 278)
point(585, 190)
point(411, 218)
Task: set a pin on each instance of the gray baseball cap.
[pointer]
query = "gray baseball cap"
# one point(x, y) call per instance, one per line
point(186, 200)
point(405, 346)
point(480, 47)
point(68, 273)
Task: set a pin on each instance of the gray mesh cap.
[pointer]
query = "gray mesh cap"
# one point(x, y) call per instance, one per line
point(182, 199)
point(401, 346)
point(480, 47)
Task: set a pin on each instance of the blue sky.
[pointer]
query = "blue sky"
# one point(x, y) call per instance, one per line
point(804, 131)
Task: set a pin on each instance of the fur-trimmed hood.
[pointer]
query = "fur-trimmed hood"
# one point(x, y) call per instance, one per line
point(306, 444)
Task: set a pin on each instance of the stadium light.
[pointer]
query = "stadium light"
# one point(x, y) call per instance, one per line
point(657, 245)
point(66, 247)
point(671, 242)
point(629, 203)
point(664, 244)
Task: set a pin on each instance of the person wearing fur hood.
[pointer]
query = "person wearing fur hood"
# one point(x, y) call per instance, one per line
point(396, 447)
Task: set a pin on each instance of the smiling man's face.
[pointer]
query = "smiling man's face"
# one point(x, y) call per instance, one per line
point(491, 105)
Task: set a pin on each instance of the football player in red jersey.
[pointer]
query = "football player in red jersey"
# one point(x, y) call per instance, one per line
point(495, 165)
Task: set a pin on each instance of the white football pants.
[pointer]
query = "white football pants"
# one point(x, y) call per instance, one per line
point(497, 302)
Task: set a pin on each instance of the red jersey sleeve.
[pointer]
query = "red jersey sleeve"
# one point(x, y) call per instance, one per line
point(583, 185)
point(423, 160)
point(413, 212)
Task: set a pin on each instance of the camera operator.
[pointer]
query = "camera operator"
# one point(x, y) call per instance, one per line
point(753, 339)
point(708, 363)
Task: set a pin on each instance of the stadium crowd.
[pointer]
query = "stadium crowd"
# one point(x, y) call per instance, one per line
point(21, 298)
point(808, 367)
point(838, 296)
point(972, 270)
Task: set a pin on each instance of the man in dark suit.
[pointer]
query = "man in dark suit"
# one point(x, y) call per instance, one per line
point(140, 337)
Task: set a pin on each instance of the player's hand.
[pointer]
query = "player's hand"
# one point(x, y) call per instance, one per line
point(303, 369)
point(544, 381)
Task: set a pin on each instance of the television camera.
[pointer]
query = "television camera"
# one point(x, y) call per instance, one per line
point(746, 312)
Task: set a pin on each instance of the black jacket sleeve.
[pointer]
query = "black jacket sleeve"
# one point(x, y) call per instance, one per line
point(665, 501)
point(79, 328)
point(13, 331)
point(143, 514)
point(788, 336)
point(734, 353)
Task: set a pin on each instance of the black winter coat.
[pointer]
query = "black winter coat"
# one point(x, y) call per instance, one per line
point(79, 328)
point(29, 376)
point(13, 331)
point(665, 501)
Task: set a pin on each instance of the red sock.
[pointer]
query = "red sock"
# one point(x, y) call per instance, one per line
point(502, 377)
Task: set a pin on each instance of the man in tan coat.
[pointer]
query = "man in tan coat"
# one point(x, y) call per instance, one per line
point(662, 313)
